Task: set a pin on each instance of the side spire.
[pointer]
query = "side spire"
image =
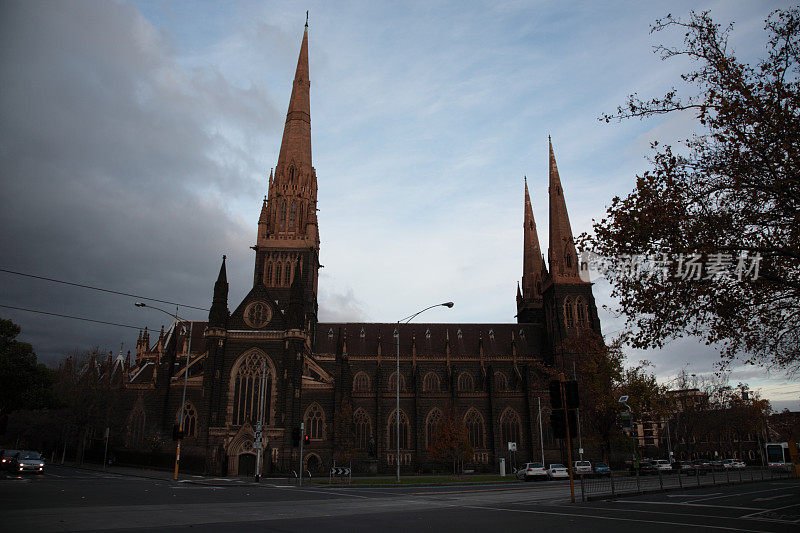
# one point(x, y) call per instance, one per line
point(529, 298)
point(218, 315)
point(561, 254)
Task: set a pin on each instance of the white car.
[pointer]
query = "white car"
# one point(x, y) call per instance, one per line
point(557, 471)
point(663, 464)
point(532, 471)
point(733, 463)
point(583, 467)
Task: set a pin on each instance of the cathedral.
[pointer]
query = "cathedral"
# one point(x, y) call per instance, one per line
point(271, 360)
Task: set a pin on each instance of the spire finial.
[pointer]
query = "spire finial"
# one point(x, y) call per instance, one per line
point(306, 18)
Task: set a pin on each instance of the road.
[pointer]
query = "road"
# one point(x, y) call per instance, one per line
point(67, 499)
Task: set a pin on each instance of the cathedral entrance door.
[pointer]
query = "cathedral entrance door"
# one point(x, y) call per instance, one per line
point(312, 464)
point(247, 464)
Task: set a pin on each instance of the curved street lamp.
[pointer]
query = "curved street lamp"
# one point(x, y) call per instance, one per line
point(185, 374)
point(405, 320)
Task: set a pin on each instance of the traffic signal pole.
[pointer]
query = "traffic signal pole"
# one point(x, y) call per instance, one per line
point(562, 380)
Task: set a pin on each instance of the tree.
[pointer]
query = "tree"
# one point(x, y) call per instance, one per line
point(728, 198)
point(450, 441)
point(24, 384)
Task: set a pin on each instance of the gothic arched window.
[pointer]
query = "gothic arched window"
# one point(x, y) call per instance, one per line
point(509, 427)
point(569, 312)
point(361, 382)
point(475, 428)
point(268, 275)
point(287, 273)
point(136, 427)
point(247, 387)
point(465, 382)
point(500, 382)
point(432, 421)
point(392, 433)
point(393, 382)
point(292, 214)
point(582, 312)
point(363, 427)
point(189, 420)
point(430, 383)
point(283, 213)
point(315, 422)
point(278, 272)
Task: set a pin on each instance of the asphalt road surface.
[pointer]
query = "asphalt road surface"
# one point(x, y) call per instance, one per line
point(67, 499)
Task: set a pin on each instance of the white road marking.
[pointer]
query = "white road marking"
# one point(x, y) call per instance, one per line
point(690, 504)
point(731, 494)
point(771, 510)
point(773, 497)
point(621, 519)
point(692, 495)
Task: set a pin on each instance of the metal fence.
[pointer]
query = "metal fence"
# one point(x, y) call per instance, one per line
point(619, 484)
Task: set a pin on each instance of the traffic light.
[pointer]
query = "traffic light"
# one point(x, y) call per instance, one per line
point(306, 439)
point(295, 437)
point(555, 395)
point(571, 392)
point(177, 433)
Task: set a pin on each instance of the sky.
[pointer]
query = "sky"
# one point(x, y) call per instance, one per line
point(136, 139)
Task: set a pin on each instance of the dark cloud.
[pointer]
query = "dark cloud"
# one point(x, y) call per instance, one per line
point(113, 160)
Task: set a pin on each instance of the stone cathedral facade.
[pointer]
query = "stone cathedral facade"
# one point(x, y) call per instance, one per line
point(494, 376)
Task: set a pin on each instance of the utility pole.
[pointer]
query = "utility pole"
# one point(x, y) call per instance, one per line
point(302, 438)
point(257, 440)
point(541, 437)
point(562, 381)
point(105, 453)
point(578, 416)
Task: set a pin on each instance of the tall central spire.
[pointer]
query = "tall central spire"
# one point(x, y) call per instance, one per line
point(561, 255)
point(296, 143)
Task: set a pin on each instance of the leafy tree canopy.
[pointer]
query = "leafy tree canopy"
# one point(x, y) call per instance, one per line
point(24, 384)
point(726, 196)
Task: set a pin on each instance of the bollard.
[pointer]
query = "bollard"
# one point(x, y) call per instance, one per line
point(680, 481)
point(611, 477)
point(660, 480)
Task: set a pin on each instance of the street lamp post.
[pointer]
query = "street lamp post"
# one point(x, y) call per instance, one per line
point(624, 401)
point(405, 320)
point(185, 377)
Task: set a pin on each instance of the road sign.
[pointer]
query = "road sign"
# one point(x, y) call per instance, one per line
point(512, 446)
point(340, 471)
point(580, 451)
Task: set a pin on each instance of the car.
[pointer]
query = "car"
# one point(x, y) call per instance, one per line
point(718, 466)
point(734, 463)
point(647, 468)
point(6, 457)
point(662, 465)
point(702, 466)
point(26, 461)
point(583, 468)
point(531, 471)
point(601, 470)
point(557, 471)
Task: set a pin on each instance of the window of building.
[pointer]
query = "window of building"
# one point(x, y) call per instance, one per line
point(392, 433)
point(268, 274)
point(283, 214)
point(569, 312)
point(315, 422)
point(189, 420)
point(361, 382)
point(582, 312)
point(430, 383)
point(465, 382)
point(432, 422)
point(278, 272)
point(247, 387)
point(509, 427)
point(136, 428)
point(287, 272)
point(475, 428)
point(393, 382)
point(363, 427)
point(292, 214)
point(500, 382)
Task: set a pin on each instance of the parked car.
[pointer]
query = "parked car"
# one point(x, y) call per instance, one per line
point(532, 471)
point(601, 469)
point(718, 466)
point(662, 465)
point(583, 468)
point(26, 461)
point(647, 468)
point(702, 466)
point(557, 471)
point(6, 457)
point(734, 463)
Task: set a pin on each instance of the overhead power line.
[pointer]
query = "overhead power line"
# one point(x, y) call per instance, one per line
point(101, 289)
point(72, 317)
